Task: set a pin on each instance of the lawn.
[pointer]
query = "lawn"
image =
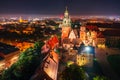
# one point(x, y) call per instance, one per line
point(94, 71)
point(114, 61)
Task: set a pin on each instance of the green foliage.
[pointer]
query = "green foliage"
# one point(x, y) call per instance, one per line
point(38, 46)
point(74, 72)
point(26, 65)
point(100, 78)
point(114, 61)
point(7, 74)
point(76, 24)
point(118, 44)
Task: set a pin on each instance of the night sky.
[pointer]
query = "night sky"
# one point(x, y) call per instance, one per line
point(57, 7)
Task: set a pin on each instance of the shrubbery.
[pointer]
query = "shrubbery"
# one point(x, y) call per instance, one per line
point(26, 65)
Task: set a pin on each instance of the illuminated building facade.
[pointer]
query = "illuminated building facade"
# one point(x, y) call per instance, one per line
point(22, 21)
point(101, 40)
point(83, 33)
point(28, 30)
point(84, 59)
point(85, 56)
point(72, 36)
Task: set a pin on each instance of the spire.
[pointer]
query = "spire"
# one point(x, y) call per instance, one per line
point(66, 10)
point(66, 20)
point(66, 14)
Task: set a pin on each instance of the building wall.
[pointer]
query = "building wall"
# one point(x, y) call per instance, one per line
point(84, 59)
point(112, 41)
point(72, 52)
point(48, 68)
point(10, 59)
point(103, 29)
point(65, 32)
point(2, 65)
point(67, 46)
point(93, 34)
point(82, 33)
point(101, 42)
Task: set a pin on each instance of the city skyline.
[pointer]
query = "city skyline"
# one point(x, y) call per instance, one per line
point(44, 7)
point(64, 47)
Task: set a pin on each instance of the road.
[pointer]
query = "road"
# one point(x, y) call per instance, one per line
point(102, 59)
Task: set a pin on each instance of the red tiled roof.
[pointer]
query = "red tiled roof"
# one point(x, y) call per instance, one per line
point(92, 28)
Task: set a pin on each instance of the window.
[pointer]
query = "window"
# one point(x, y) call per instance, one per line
point(83, 58)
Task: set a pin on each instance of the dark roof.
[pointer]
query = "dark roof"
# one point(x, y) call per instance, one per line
point(113, 27)
point(76, 41)
point(111, 32)
point(106, 25)
point(6, 49)
point(100, 35)
point(76, 32)
point(66, 40)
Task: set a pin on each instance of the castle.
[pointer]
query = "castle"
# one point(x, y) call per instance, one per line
point(72, 38)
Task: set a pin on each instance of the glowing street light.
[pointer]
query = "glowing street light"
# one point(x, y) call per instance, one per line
point(87, 48)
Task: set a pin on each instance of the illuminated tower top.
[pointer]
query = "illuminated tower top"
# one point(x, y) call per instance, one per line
point(66, 14)
point(20, 19)
point(66, 19)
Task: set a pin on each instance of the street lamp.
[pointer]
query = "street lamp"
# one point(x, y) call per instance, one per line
point(87, 49)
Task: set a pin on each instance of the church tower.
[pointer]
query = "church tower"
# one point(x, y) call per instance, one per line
point(66, 25)
point(66, 19)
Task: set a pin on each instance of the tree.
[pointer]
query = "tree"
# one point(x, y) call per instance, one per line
point(74, 72)
point(38, 46)
point(118, 44)
point(26, 65)
point(100, 78)
point(76, 24)
point(51, 22)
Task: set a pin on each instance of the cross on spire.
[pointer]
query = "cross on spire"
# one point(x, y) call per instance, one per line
point(66, 9)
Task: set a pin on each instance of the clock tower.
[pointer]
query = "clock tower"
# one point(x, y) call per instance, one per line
point(66, 25)
point(66, 19)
